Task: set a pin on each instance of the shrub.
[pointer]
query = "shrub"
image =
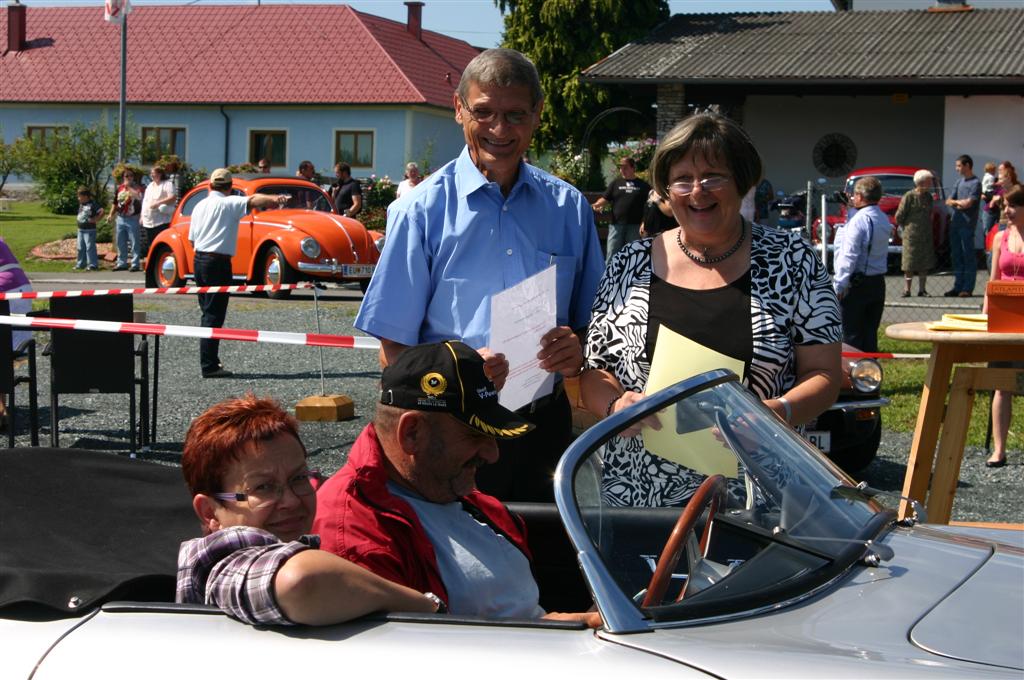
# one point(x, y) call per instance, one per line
point(119, 169)
point(378, 192)
point(187, 176)
point(374, 218)
point(570, 165)
point(14, 158)
point(79, 155)
point(104, 231)
point(641, 150)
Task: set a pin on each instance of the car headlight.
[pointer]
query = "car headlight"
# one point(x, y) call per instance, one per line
point(379, 243)
point(866, 375)
point(309, 247)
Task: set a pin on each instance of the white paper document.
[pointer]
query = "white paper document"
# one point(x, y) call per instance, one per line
point(520, 316)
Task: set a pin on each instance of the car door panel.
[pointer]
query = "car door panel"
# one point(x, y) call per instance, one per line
point(167, 645)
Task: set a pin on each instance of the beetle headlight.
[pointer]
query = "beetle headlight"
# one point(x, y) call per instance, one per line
point(379, 243)
point(309, 247)
point(866, 375)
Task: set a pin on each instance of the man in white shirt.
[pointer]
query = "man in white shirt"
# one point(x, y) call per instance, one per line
point(157, 206)
point(213, 233)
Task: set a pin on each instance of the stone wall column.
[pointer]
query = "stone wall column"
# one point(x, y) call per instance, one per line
point(671, 106)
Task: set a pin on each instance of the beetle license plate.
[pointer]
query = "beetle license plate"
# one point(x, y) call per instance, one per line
point(820, 438)
point(358, 270)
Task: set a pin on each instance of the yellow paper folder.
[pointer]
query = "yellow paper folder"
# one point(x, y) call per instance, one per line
point(676, 358)
point(961, 322)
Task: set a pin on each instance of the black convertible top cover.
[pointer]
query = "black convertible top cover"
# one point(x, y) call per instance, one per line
point(79, 528)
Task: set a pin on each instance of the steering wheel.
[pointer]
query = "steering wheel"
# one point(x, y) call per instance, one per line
point(711, 493)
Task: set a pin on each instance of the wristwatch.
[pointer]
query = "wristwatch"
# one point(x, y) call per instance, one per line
point(442, 608)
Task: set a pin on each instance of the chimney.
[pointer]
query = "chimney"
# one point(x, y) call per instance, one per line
point(414, 25)
point(15, 26)
point(950, 6)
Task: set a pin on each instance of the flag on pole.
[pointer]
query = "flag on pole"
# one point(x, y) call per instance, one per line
point(114, 11)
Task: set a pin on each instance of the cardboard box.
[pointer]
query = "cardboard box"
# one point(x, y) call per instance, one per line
point(1005, 306)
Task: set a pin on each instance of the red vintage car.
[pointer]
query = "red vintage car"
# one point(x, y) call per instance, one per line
point(301, 241)
point(896, 180)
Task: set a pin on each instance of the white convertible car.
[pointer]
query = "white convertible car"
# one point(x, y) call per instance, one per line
point(778, 566)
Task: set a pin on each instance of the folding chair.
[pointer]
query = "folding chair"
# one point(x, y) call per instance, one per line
point(10, 379)
point(94, 362)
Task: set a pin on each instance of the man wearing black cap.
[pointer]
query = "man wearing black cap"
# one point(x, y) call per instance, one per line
point(405, 505)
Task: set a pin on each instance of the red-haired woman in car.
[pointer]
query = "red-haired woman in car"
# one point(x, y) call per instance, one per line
point(255, 498)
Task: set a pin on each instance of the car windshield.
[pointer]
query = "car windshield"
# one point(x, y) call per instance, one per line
point(307, 198)
point(782, 521)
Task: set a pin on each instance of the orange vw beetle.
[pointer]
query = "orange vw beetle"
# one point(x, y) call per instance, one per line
point(301, 241)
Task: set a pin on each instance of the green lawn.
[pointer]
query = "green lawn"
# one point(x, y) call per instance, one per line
point(902, 384)
point(28, 224)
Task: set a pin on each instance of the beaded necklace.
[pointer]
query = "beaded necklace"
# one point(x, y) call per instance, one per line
point(705, 259)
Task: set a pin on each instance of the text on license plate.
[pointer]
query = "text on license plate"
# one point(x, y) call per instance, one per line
point(363, 270)
point(820, 438)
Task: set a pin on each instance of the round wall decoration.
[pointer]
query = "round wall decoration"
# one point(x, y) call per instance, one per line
point(834, 155)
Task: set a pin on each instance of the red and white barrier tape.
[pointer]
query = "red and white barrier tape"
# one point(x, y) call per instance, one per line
point(279, 337)
point(184, 290)
point(882, 355)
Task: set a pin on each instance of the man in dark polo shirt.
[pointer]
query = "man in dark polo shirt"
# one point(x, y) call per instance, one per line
point(627, 195)
point(345, 192)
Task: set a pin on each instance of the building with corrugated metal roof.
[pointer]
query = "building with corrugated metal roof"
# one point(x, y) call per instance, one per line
point(822, 93)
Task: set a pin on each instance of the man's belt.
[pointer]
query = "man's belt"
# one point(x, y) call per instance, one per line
point(216, 256)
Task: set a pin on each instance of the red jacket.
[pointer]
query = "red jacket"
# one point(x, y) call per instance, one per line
point(358, 518)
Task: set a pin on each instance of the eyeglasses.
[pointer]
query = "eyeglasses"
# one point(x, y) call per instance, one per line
point(686, 187)
point(264, 495)
point(487, 116)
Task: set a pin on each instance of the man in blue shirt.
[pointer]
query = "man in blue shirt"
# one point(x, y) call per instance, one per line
point(964, 203)
point(480, 224)
point(861, 262)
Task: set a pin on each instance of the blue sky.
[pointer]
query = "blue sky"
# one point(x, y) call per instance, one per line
point(478, 21)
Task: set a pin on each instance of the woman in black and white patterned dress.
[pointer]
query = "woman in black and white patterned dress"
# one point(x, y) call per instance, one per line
point(750, 292)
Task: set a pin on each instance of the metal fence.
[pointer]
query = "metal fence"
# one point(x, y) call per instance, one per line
point(898, 309)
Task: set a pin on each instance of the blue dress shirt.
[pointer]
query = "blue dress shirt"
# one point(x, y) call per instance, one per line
point(456, 241)
point(868, 231)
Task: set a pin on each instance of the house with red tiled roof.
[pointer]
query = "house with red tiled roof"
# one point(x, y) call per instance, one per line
point(225, 84)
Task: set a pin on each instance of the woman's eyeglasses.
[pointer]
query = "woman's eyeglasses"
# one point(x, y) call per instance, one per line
point(686, 187)
point(264, 495)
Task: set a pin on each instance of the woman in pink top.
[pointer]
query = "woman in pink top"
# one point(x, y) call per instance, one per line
point(1007, 265)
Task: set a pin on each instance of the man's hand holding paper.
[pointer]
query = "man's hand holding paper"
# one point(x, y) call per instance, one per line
point(561, 352)
point(495, 366)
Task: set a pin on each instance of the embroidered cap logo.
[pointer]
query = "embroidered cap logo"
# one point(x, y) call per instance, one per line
point(433, 384)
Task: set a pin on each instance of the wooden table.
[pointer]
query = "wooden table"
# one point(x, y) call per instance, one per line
point(949, 348)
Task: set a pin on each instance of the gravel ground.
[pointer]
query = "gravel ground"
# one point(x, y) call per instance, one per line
point(291, 373)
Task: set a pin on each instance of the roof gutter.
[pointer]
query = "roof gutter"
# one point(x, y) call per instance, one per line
point(227, 135)
point(809, 82)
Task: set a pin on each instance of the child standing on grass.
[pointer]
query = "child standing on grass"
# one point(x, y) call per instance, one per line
point(89, 212)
